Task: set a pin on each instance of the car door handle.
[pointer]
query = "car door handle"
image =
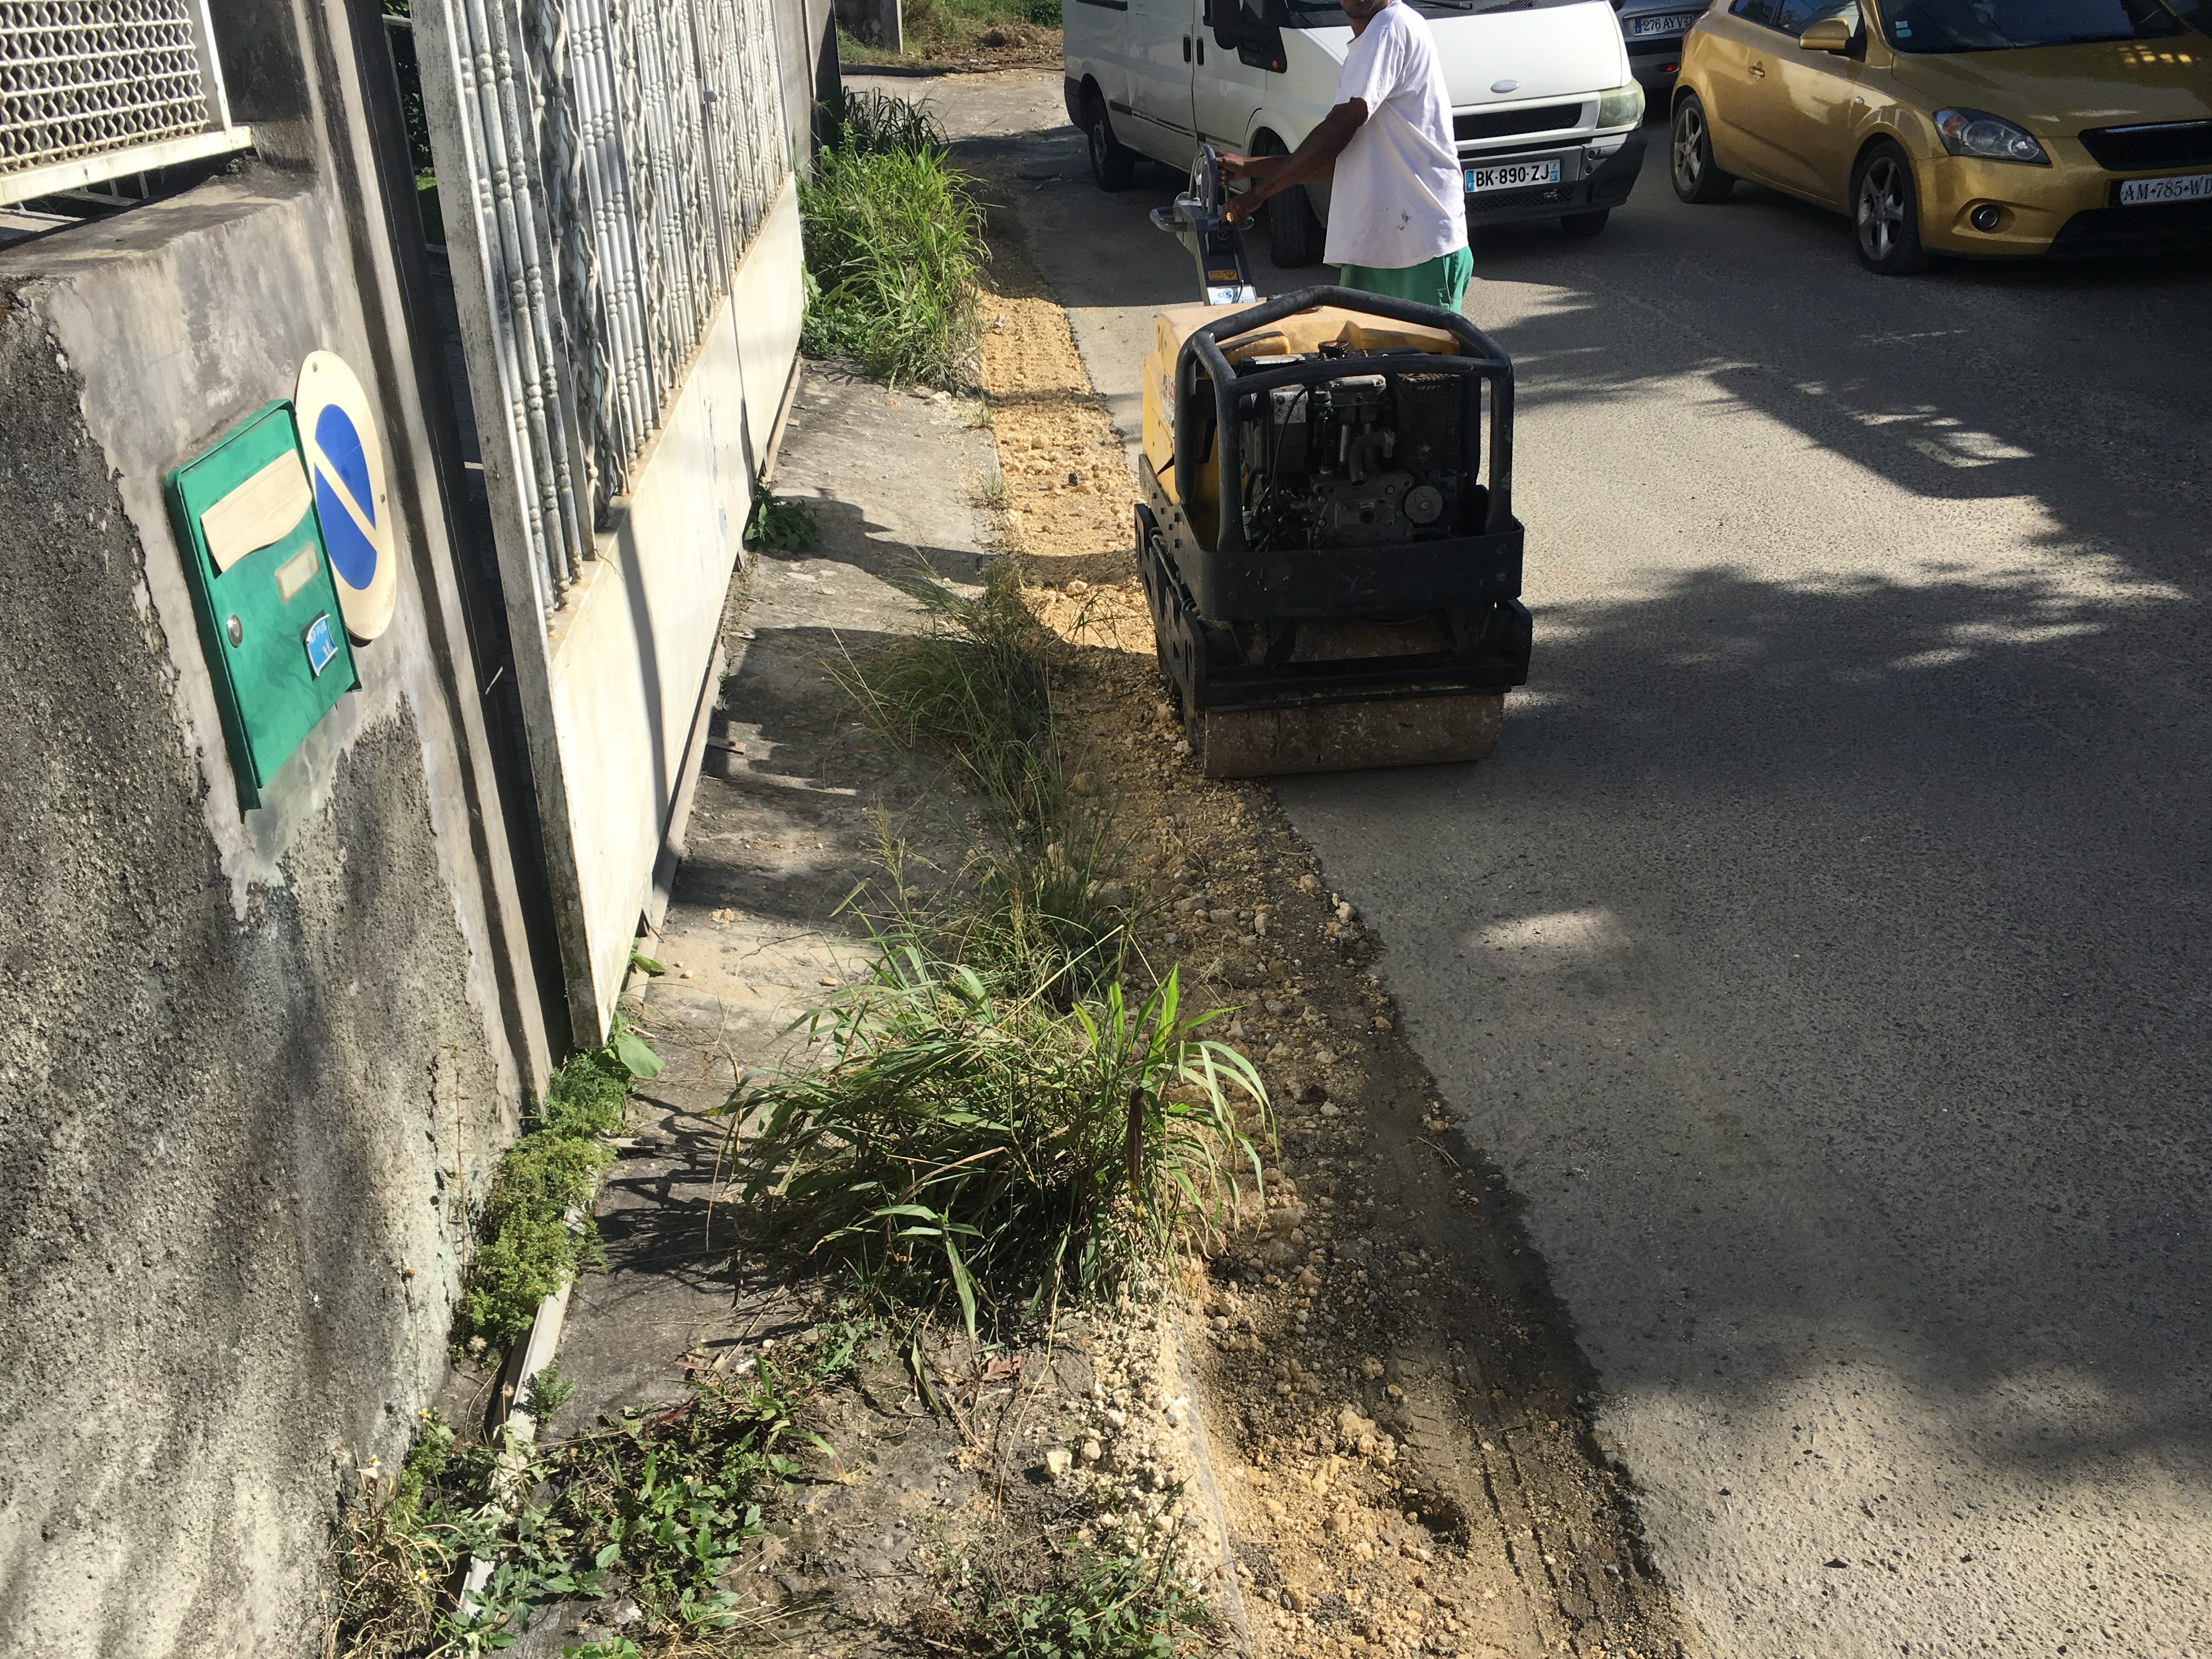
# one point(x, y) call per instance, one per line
point(1202, 52)
point(1186, 49)
point(1758, 69)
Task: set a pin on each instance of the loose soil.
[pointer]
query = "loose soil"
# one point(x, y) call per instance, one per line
point(1399, 1417)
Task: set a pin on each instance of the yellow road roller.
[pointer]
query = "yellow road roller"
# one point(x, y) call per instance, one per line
point(1327, 540)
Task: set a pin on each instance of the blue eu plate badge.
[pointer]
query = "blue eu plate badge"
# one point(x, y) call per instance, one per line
point(322, 648)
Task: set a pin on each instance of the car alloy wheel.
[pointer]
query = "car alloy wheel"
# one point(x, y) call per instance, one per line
point(1886, 214)
point(1881, 208)
point(1689, 149)
point(1690, 155)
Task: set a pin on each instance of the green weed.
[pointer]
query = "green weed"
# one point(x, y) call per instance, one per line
point(961, 1142)
point(781, 527)
point(666, 1498)
point(1132, 1601)
point(538, 1229)
point(933, 28)
point(894, 246)
point(549, 1390)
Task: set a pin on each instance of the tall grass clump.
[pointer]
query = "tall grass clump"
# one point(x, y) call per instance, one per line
point(894, 246)
point(963, 1142)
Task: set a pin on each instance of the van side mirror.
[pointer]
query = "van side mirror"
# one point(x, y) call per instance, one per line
point(1829, 34)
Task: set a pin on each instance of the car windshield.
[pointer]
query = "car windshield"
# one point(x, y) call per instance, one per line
point(1934, 26)
point(1327, 13)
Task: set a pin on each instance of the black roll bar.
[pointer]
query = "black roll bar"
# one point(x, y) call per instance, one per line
point(1484, 360)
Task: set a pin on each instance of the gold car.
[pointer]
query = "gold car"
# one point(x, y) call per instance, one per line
point(1978, 127)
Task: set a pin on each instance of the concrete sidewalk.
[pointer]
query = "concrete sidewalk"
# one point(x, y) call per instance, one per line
point(783, 826)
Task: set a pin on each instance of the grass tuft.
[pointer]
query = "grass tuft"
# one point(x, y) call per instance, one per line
point(894, 246)
point(873, 122)
point(1128, 1598)
point(966, 1143)
point(996, 1119)
point(1039, 906)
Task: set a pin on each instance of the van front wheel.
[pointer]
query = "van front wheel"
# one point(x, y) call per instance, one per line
point(1112, 164)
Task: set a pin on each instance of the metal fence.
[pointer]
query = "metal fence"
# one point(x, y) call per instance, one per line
point(94, 89)
point(616, 157)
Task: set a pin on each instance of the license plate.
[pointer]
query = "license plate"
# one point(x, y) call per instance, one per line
point(1675, 23)
point(1512, 175)
point(2196, 187)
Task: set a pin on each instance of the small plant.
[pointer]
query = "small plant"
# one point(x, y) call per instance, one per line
point(549, 1390)
point(963, 1144)
point(668, 1498)
point(785, 525)
point(1042, 908)
point(990, 494)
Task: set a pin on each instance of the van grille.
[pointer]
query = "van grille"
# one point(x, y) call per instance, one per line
point(1503, 123)
point(2132, 150)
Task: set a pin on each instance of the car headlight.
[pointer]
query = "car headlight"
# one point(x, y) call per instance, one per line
point(1991, 137)
point(1623, 106)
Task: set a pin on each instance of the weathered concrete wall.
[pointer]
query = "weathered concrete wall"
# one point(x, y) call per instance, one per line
point(251, 1064)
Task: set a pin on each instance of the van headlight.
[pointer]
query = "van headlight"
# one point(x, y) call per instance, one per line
point(1621, 107)
point(1991, 137)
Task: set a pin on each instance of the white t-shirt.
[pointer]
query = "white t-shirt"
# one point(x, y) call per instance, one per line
point(1397, 198)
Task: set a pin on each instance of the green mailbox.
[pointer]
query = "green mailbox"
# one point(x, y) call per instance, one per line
point(268, 610)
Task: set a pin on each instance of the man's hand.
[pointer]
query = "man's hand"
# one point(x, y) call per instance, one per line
point(1315, 159)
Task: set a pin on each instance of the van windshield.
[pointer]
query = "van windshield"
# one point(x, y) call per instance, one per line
point(1326, 14)
point(1926, 26)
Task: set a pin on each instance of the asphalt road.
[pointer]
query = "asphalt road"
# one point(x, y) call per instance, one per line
point(1824, 952)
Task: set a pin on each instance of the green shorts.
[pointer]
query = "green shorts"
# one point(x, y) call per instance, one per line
point(1438, 282)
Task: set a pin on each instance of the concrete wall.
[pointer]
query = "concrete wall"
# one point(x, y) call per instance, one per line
point(629, 655)
point(251, 1064)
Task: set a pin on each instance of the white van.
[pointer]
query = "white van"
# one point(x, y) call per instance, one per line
point(1547, 114)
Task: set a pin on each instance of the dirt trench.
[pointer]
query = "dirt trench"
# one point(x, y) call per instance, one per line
point(1398, 1413)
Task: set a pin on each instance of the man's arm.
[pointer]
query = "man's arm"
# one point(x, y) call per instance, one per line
point(1313, 159)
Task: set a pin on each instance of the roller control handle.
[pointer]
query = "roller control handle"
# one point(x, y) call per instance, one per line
point(1224, 277)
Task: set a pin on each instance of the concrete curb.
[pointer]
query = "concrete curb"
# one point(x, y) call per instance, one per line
point(537, 1350)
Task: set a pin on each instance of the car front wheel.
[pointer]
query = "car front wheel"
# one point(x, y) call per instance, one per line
point(1690, 155)
point(1886, 213)
point(1113, 165)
